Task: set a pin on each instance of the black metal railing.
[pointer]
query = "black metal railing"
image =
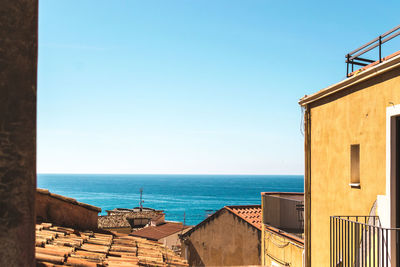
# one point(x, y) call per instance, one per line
point(353, 58)
point(360, 241)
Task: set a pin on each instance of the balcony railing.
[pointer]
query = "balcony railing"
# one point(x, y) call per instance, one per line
point(353, 58)
point(360, 241)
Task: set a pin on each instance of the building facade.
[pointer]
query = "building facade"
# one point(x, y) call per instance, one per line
point(351, 137)
point(231, 236)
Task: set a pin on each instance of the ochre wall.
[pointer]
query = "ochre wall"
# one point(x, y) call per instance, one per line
point(280, 250)
point(64, 213)
point(225, 240)
point(354, 116)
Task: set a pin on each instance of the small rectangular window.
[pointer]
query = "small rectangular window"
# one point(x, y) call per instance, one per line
point(355, 165)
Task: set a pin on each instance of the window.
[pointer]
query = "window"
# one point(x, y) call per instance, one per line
point(355, 166)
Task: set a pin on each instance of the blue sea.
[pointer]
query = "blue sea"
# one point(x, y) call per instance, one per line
point(192, 195)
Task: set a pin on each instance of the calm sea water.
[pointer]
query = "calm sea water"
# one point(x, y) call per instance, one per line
point(195, 195)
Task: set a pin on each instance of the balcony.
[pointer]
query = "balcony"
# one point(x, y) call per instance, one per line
point(284, 211)
point(361, 241)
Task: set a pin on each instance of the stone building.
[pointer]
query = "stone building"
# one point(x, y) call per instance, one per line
point(128, 220)
point(230, 236)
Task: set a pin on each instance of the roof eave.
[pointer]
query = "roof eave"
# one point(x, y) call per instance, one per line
point(362, 76)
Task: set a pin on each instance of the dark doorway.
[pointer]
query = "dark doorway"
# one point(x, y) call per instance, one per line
point(397, 191)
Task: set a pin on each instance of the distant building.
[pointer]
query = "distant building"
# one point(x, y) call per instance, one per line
point(282, 229)
point(352, 166)
point(128, 220)
point(166, 233)
point(231, 236)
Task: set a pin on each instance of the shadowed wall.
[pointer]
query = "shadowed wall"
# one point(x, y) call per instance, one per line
point(18, 72)
point(226, 240)
point(65, 211)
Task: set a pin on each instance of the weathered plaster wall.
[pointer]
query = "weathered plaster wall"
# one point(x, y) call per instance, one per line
point(225, 240)
point(66, 212)
point(352, 116)
point(280, 250)
point(18, 70)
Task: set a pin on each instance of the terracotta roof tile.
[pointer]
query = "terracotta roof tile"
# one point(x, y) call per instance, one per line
point(160, 231)
point(249, 213)
point(374, 63)
point(65, 246)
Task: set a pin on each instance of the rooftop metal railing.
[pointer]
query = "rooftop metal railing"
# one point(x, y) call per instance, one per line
point(360, 241)
point(353, 58)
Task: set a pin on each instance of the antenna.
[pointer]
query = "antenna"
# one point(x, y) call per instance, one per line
point(141, 201)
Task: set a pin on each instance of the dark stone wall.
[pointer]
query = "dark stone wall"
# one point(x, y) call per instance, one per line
point(18, 76)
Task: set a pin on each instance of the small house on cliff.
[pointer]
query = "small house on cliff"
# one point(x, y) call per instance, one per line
point(231, 236)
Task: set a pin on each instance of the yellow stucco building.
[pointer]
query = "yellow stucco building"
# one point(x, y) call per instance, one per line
point(352, 144)
point(282, 242)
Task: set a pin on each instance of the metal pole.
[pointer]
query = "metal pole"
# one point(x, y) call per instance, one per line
point(380, 49)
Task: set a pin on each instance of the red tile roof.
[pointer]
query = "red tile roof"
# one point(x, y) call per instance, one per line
point(249, 213)
point(374, 63)
point(160, 231)
point(65, 246)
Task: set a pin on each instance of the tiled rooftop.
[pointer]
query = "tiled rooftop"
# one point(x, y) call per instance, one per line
point(249, 213)
point(56, 246)
point(159, 231)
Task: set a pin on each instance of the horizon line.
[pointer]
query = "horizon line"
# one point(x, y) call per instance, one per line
point(107, 173)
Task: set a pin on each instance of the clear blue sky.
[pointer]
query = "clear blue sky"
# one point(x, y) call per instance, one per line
point(189, 86)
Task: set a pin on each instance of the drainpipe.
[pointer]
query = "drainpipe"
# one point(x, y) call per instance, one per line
point(307, 185)
point(262, 232)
